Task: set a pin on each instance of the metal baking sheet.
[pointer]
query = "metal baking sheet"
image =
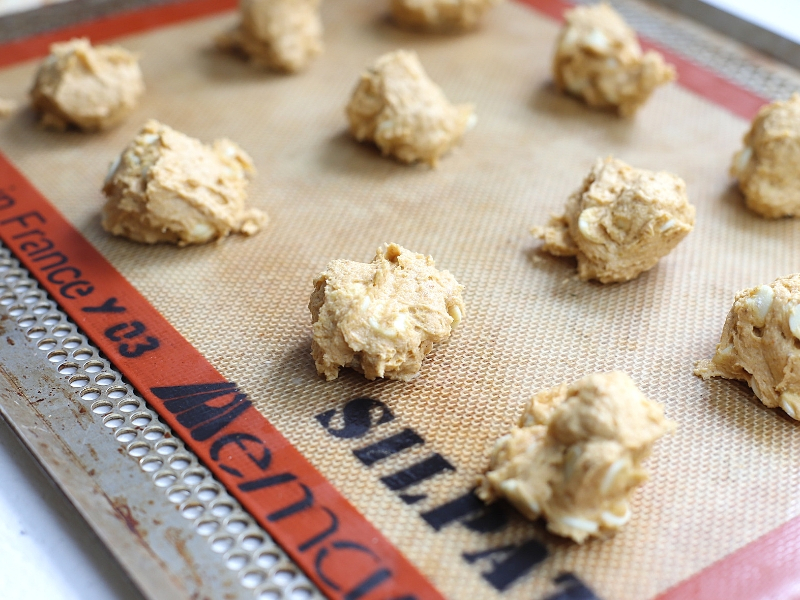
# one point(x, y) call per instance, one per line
point(531, 322)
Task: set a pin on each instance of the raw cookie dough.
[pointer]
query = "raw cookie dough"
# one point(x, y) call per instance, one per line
point(382, 318)
point(576, 456)
point(620, 222)
point(278, 34)
point(768, 166)
point(89, 87)
point(168, 187)
point(598, 58)
point(760, 344)
point(402, 111)
point(440, 15)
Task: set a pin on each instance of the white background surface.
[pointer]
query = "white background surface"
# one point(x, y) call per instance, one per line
point(779, 16)
point(11, 6)
point(46, 549)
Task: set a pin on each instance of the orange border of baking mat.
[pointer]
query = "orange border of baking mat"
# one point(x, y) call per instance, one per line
point(691, 76)
point(342, 552)
point(112, 26)
point(322, 532)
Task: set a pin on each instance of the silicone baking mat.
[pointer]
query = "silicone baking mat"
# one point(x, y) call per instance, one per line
point(727, 476)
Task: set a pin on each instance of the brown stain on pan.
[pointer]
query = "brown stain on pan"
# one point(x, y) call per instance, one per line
point(124, 513)
point(175, 538)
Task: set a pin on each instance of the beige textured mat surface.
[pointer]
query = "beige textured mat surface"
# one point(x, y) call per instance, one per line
point(727, 476)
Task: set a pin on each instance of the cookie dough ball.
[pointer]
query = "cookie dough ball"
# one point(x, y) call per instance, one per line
point(89, 87)
point(620, 222)
point(768, 167)
point(382, 318)
point(168, 187)
point(283, 35)
point(440, 15)
point(599, 59)
point(576, 456)
point(402, 111)
point(760, 344)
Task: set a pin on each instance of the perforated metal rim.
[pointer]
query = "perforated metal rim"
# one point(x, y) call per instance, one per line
point(680, 38)
point(210, 512)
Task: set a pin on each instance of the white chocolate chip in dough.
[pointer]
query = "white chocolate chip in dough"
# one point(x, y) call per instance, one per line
point(790, 403)
point(113, 168)
point(760, 304)
point(621, 222)
point(88, 87)
point(383, 317)
point(597, 41)
point(586, 525)
point(282, 35)
point(180, 191)
point(668, 225)
point(202, 231)
point(400, 321)
point(725, 350)
point(385, 331)
point(510, 487)
point(598, 58)
point(794, 320)
point(440, 15)
point(760, 344)
point(613, 520)
point(588, 224)
point(566, 463)
point(399, 108)
point(611, 474)
point(743, 158)
point(766, 166)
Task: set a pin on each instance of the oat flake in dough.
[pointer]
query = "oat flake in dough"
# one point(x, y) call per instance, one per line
point(89, 87)
point(576, 456)
point(168, 187)
point(620, 222)
point(440, 15)
point(397, 106)
point(760, 344)
point(599, 59)
point(382, 318)
point(284, 35)
point(768, 167)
